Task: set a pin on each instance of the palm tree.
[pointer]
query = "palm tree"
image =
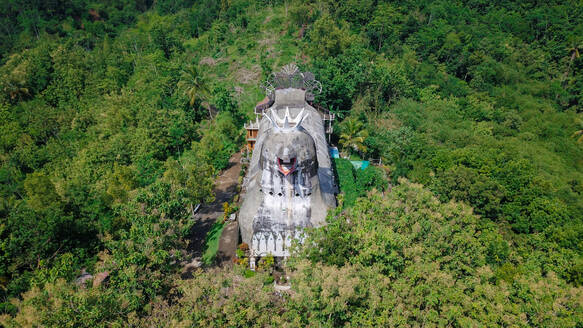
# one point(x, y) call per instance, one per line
point(353, 136)
point(194, 85)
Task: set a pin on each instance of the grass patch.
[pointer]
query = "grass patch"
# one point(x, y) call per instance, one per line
point(212, 242)
point(346, 180)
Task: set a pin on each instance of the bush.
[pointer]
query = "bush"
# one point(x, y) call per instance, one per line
point(371, 178)
point(220, 140)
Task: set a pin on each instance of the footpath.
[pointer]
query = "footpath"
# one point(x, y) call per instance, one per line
point(225, 189)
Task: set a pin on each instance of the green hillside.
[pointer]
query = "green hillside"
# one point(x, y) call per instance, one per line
point(117, 116)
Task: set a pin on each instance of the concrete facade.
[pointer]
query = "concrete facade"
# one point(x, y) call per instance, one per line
point(290, 182)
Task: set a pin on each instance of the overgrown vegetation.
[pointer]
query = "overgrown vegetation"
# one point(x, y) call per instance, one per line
point(403, 258)
point(356, 183)
point(116, 117)
point(104, 155)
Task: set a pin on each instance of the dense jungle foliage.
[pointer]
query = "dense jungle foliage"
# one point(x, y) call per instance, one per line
point(116, 116)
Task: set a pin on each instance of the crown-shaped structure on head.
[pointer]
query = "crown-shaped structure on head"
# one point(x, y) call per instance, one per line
point(287, 122)
point(290, 76)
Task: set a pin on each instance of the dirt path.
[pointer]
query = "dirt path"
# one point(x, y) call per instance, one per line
point(225, 190)
point(228, 244)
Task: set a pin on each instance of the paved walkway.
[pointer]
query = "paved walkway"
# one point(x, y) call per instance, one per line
point(225, 189)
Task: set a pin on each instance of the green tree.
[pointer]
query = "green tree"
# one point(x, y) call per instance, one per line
point(13, 77)
point(40, 191)
point(223, 99)
point(575, 45)
point(191, 177)
point(195, 86)
point(328, 39)
point(352, 136)
point(579, 133)
point(385, 25)
point(371, 178)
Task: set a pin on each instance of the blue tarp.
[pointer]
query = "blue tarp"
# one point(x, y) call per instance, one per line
point(334, 152)
point(357, 164)
point(360, 164)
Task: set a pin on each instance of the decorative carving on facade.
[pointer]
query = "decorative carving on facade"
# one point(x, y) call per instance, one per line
point(291, 77)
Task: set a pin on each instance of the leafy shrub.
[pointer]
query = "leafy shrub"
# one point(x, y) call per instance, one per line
point(220, 139)
point(371, 178)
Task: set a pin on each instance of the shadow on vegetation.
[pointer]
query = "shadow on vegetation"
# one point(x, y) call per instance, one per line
point(212, 242)
point(198, 234)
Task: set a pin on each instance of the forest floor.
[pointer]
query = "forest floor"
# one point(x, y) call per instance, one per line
point(225, 189)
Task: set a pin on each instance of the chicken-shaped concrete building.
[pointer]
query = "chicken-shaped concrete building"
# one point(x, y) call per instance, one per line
point(290, 183)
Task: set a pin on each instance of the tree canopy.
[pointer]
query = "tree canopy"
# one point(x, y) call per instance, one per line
point(116, 117)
